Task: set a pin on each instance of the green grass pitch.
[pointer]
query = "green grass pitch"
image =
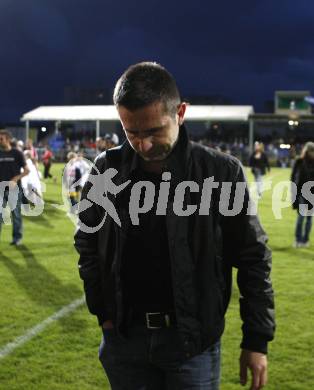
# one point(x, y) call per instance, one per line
point(41, 277)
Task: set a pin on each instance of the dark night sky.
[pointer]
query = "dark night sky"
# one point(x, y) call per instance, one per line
point(240, 49)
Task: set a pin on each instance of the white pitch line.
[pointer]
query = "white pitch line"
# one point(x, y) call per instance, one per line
point(10, 347)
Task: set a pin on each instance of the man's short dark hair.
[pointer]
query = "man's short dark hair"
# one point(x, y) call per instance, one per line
point(6, 133)
point(146, 83)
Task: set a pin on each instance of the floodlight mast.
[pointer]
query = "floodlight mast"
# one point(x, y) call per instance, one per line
point(97, 129)
point(26, 130)
point(251, 134)
point(57, 126)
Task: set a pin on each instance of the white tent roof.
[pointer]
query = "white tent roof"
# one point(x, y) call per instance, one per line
point(105, 113)
point(71, 113)
point(219, 113)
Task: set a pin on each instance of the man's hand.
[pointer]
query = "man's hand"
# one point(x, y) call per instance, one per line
point(257, 363)
point(107, 324)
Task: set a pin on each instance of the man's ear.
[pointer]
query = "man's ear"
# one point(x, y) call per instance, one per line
point(181, 112)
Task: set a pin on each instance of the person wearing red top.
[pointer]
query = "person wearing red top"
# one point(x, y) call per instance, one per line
point(47, 161)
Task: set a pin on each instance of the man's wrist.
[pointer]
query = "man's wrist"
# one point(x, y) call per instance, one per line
point(108, 325)
point(255, 343)
point(102, 318)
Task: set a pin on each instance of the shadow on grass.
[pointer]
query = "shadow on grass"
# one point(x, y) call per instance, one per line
point(42, 287)
point(50, 213)
point(299, 253)
point(40, 220)
point(51, 209)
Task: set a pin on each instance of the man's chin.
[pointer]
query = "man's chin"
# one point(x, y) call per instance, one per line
point(154, 158)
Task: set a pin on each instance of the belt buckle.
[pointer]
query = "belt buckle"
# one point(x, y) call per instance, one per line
point(165, 316)
point(148, 321)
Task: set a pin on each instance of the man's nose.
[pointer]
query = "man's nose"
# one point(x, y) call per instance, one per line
point(145, 145)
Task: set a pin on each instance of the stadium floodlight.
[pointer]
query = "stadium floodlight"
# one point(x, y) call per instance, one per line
point(291, 123)
point(309, 99)
point(43, 129)
point(285, 146)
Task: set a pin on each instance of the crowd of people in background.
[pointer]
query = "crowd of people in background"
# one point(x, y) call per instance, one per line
point(299, 157)
point(107, 142)
point(20, 162)
point(279, 153)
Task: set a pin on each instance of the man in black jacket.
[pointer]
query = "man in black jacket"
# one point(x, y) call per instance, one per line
point(157, 264)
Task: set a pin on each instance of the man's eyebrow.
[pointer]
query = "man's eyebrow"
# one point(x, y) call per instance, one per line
point(151, 130)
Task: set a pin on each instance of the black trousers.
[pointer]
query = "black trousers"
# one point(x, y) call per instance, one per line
point(47, 170)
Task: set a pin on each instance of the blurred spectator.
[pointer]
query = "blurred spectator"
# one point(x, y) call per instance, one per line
point(71, 181)
point(20, 145)
point(112, 140)
point(31, 183)
point(84, 168)
point(259, 164)
point(101, 144)
point(33, 152)
point(47, 161)
point(12, 169)
point(303, 172)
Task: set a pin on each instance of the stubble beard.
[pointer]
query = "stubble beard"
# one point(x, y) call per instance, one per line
point(159, 153)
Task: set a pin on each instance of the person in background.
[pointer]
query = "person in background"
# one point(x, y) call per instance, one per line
point(32, 150)
point(100, 145)
point(303, 172)
point(112, 140)
point(31, 183)
point(71, 181)
point(20, 145)
point(13, 143)
point(259, 164)
point(12, 169)
point(47, 161)
point(84, 166)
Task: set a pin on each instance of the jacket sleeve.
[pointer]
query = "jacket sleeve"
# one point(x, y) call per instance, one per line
point(266, 162)
point(251, 160)
point(86, 244)
point(250, 255)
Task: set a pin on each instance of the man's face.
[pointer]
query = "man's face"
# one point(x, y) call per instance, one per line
point(4, 141)
point(150, 130)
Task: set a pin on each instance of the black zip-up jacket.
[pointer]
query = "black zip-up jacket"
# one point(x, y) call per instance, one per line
point(259, 163)
point(203, 249)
